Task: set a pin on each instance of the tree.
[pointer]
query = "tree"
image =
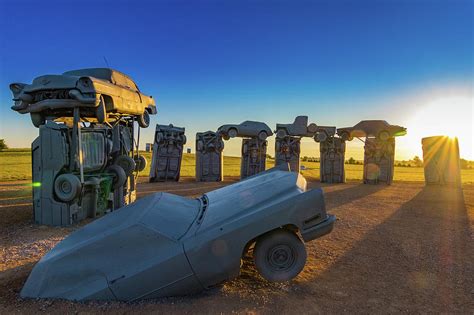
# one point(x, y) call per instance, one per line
point(3, 145)
point(417, 161)
point(351, 160)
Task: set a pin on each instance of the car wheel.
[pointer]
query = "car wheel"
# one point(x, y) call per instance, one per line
point(321, 137)
point(127, 163)
point(345, 136)
point(140, 163)
point(232, 133)
point(281, 133)
point(37, 119)
point(67, 187)
point(100, 111)
point(144, 119)
point(384, 135)
point(119, 175)
point(279, 256)
point(263, 135)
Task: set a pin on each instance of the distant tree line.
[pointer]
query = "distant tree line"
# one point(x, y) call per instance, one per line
point(3, 145)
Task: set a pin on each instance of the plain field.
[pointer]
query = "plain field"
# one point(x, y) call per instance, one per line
point(16, 165)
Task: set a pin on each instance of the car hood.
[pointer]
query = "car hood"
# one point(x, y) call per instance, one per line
point(56, 82)
point(52, 81)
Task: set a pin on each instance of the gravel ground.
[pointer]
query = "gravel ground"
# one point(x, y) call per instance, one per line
point(400, 248)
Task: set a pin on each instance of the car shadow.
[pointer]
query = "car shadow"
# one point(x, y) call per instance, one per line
point(420, 259)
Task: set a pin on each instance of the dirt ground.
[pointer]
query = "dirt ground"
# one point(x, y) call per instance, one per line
point(398, 248)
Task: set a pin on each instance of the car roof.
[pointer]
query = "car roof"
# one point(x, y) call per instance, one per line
point(100, 73)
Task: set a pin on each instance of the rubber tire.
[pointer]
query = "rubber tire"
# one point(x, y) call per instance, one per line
point(140, 163)
point(267, 243)
point(281, 133)
point(321, 137)
point(127, 163)
point(119, 175)
point(345, 136)
point(184, 139)
point(100, 112)
point(144, 119)
point(262, 135)
point(232, 133)
point(67, 187)
point(383, 135)
point(37, 119)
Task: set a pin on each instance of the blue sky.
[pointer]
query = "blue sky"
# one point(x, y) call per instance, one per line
point(209, 63)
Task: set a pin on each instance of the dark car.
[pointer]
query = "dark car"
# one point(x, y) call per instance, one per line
point(372, 128)
point(165, 245)
point(246, 129)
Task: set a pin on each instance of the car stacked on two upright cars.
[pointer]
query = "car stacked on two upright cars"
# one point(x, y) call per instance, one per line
point(99, 93)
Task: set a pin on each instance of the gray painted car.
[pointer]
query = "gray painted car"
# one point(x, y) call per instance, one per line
point(98, 92)
point(246, 129)
point(372, 128)
point(165, 245)
point(299, 128)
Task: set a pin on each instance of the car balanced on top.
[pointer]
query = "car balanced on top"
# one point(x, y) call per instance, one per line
point(101, 94)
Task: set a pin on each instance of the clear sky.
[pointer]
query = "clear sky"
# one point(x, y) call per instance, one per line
point(209, 63)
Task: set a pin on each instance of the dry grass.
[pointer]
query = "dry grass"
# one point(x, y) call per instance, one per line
point(16, 165)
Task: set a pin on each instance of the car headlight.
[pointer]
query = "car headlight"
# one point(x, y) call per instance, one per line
point(85, 82)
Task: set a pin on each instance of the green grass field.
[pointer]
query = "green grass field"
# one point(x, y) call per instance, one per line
point(15, 164)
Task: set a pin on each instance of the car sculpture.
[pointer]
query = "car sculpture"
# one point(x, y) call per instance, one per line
point(246, 129)
point(299, 128)
point(100, 93)
point(379, 129)
point(166, 245)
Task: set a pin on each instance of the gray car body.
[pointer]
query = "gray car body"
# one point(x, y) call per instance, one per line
point(372, 128)
point(299, 128)
point(165, 245)
point(247, 128)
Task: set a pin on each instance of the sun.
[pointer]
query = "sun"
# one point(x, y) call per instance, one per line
point(450, 116)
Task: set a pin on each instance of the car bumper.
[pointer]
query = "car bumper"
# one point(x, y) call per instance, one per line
point(319, 229)
point(54, 104)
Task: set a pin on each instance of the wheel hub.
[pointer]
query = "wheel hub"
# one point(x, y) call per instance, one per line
point(281, 257)
point(66, 187)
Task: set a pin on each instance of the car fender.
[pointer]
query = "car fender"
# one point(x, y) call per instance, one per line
point(215, 253)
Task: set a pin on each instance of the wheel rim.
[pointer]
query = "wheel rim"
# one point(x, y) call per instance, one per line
point(281, 258)
point(66, 187)
point(232, 133)
point(384, 136)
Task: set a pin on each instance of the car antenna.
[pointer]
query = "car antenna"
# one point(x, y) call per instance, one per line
point(106, 62)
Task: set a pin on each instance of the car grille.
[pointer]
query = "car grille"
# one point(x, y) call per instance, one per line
point(50, 94)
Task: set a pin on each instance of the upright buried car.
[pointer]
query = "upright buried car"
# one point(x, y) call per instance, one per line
point(100, 93)
point(165, 245)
